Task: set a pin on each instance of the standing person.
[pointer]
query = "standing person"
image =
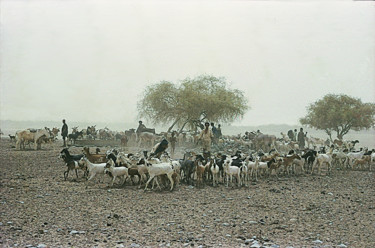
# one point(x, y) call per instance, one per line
point(218, 131)
point(291, 135)
point(301, 139)
point(64, 131)
point(295, 135)
point(214, 132)
point(173, 141)
point(141, 127)
point(206, 137)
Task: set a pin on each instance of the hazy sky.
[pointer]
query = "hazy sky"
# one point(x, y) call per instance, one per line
point(91, 60)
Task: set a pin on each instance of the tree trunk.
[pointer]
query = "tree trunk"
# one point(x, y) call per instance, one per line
point(329, 135)
point(183, 127)
point(174, 123)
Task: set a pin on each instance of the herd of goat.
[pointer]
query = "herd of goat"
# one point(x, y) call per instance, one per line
point(221, 167)
point(199, 170)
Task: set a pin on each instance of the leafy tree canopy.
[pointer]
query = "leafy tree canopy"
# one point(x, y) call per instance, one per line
point(339, 113)
point(191, 102)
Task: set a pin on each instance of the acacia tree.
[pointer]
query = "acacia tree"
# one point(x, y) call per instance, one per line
point(339, 113)
point(191, 102)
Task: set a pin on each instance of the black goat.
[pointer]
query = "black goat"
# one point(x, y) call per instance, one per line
point(71, 162)
point(74, 136)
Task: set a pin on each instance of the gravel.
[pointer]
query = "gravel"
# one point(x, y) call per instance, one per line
point(40, 209)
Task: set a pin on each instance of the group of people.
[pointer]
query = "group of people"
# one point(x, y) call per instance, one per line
point(298, 137)
point(208, 136)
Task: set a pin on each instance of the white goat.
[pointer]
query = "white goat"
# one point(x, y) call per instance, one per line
point(244, 173)
point(252, 168)
point(94, 169)
point(215, 173)
point(116, 171)
point(299, 162)
point(354, 155)
point(231, 171)
point(323, 159)
point(159, 169)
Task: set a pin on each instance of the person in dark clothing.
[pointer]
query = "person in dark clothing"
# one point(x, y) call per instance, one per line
point(64, 132)
point(301, 139)
point(141, 127)
point(173, 141)
point(218, 132)
point(291, 135)
point(159, 148)
point(214, 132)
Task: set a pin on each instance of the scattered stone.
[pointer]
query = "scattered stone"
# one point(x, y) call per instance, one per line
point(253, 222)
point(248, 241)
point(134, 245)
point(318, 241)
point(42, 246)
point(342, 246)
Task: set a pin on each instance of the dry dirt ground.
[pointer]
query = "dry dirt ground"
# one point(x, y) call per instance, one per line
point(40, 209)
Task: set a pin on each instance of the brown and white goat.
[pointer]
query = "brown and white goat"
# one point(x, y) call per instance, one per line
point(365, 160)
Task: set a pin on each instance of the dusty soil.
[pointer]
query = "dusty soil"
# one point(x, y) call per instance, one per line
point(39, 208)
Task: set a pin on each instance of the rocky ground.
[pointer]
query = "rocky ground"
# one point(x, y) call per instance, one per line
point(40, 209)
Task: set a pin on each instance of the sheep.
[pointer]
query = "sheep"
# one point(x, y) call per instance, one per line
point(115, 171)
point(94, 169)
